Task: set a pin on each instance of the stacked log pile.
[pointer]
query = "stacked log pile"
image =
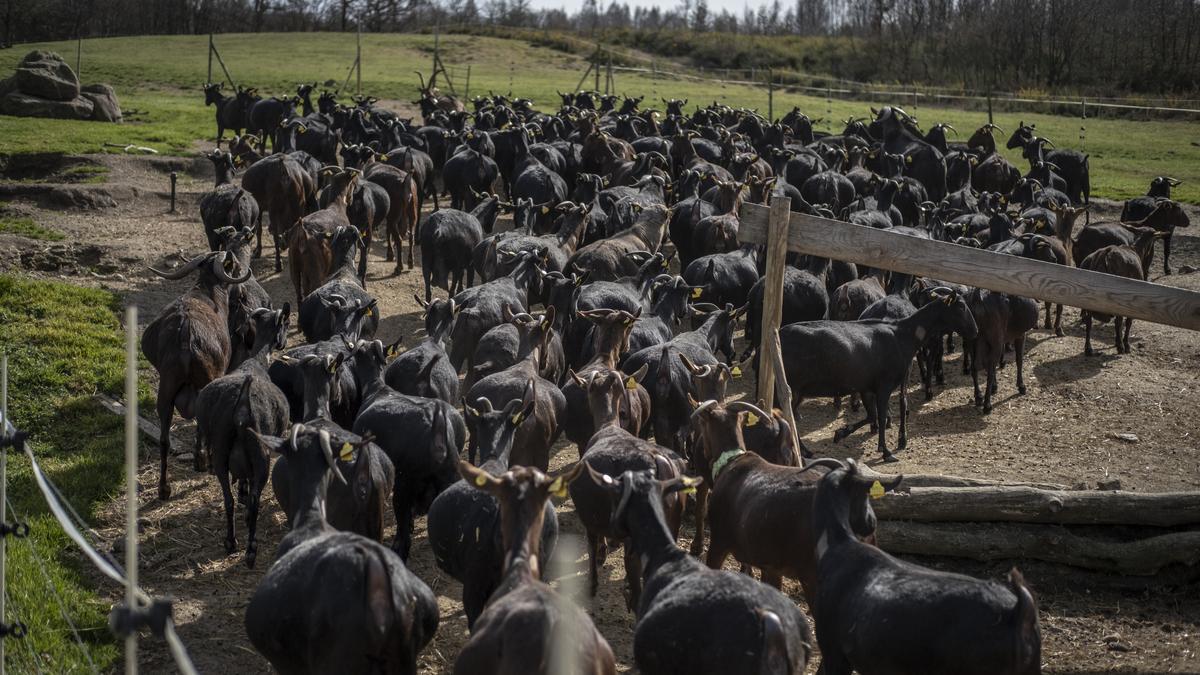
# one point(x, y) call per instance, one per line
point(1109, 531)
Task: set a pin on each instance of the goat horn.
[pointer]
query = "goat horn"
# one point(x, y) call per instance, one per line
point(295, 432)
point(328, 452)
point(1048, 142)
point(703, 406)
point(187, 268)
point(827, 462)
point(951, 128)
point(748, 407)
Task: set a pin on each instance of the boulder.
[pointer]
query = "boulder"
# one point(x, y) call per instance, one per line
point(104, 99)
point(7, 86)
point(24, 105)
point(45, 75)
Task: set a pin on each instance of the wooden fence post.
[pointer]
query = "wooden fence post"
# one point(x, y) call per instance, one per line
point(210, 51)
point(772, 314)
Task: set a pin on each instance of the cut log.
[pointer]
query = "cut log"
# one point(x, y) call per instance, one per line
point(150, 429)
point(1031, 505)
point(931, 480)
point(1051, 543)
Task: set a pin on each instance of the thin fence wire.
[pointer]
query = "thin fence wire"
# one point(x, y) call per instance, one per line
point(105, 564)
point(62, 607)
point(25, 642)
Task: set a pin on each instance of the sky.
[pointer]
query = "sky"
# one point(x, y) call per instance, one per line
point(572, 6)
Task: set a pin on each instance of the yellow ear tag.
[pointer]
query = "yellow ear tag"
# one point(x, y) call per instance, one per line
point(630, 383)
point(696, 293)
point(347, 453)
point(876, 490)
point(545, 210)
point(481, 480)
point(517, 419)
point(735, 371)
point(751, 419)
point(666, 264)
point(690, 490)
point(558, 488)
point(383, 158)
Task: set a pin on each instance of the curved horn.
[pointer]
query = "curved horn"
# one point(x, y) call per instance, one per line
point(747, 406)
point(827, 462)
point(328, 452)
point(187, 268)
point(295, 433)
point(219, 270)
point(703, 406)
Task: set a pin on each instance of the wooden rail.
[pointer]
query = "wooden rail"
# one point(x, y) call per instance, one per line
point(974, 267)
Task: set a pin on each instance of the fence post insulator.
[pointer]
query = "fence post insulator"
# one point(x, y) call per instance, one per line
point(123, 621)
point(18, 530)
point(15, 629)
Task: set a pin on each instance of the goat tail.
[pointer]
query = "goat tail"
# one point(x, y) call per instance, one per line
point(1027, 634)
point(773, 652)
point(378, 600)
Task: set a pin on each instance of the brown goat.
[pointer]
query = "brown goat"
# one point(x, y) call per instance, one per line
point(310, 254)
point(759, 512)
point(526, 627)
point(613, 451)
point(188, 343)
point(610, 339)
point(1123, 261)
point(284, 191)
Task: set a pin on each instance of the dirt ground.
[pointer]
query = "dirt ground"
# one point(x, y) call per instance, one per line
point(1063, 431)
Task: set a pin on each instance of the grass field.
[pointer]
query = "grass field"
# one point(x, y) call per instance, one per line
point(64, 344)
point(161, 76)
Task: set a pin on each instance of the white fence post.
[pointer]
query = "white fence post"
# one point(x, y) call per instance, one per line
point(131, 463)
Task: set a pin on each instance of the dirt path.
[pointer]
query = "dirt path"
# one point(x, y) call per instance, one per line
point(1063, 431)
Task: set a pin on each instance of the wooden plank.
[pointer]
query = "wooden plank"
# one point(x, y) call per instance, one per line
point(1011, 503)
point(150, 429)
point(1051, 543)
point(772, 311)
point(924, 480)
point(959, 264)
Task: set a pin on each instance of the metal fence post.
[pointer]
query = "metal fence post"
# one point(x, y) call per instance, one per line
point(131, 462)
point(3, 498)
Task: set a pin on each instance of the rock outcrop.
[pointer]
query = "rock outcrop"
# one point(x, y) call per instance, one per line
point(45, 86)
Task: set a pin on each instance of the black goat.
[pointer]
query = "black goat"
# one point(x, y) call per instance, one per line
point(870, 358)
point(378, 615)
point(228, 205)
point(424, 455)
point(228, 410)
point(318, 320)
point(464, 527)
point(447, 238)
point(760, 630)
point(1001, 320)
point(928, 621)
point(425, 369)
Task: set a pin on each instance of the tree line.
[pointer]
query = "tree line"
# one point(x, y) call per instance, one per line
point(1097, 46)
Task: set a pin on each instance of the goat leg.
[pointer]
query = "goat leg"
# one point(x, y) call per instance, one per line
point(1087, 334)
point(851, 428)
point(595, 545)
point(633, 578)
point(227, 495)
point(278, 252)
point(881, 405)
point(975, 383)
point(902, 441)
point(1167, 253)
point(166, 409)
point(701, 510)
point(252, 519)
point(1058, 331)
point(1047, 322)
point(1019, 349)
point(1128, 325)
point(989, 388)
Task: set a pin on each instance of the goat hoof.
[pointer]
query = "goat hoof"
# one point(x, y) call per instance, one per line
point(1021, 390)
point(251, 556)
point(1058, 332)
point(890, 458)
point(987, 409)
point(1088, 352)
point(695, 549)
point(231, 546)
point(928, 396)
point(164, 491)
point(839, 435)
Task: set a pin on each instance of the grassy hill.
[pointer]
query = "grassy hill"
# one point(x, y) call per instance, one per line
point(161, 76)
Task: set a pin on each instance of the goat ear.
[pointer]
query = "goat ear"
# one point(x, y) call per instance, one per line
point(558, 484)
point(686, 484)
point(272, 443)
point(477, 477)
point(638, 375)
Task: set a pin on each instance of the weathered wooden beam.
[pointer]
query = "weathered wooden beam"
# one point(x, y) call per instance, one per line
point(150, 429)
point(985, 269)
point(1051, 543)
point(772, 309)
point(1010, 503)
point(928, 480)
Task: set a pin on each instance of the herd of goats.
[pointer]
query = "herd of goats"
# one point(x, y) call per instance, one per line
point(572, 323)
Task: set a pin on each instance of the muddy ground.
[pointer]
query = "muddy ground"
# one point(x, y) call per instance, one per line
point(1063, 431)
